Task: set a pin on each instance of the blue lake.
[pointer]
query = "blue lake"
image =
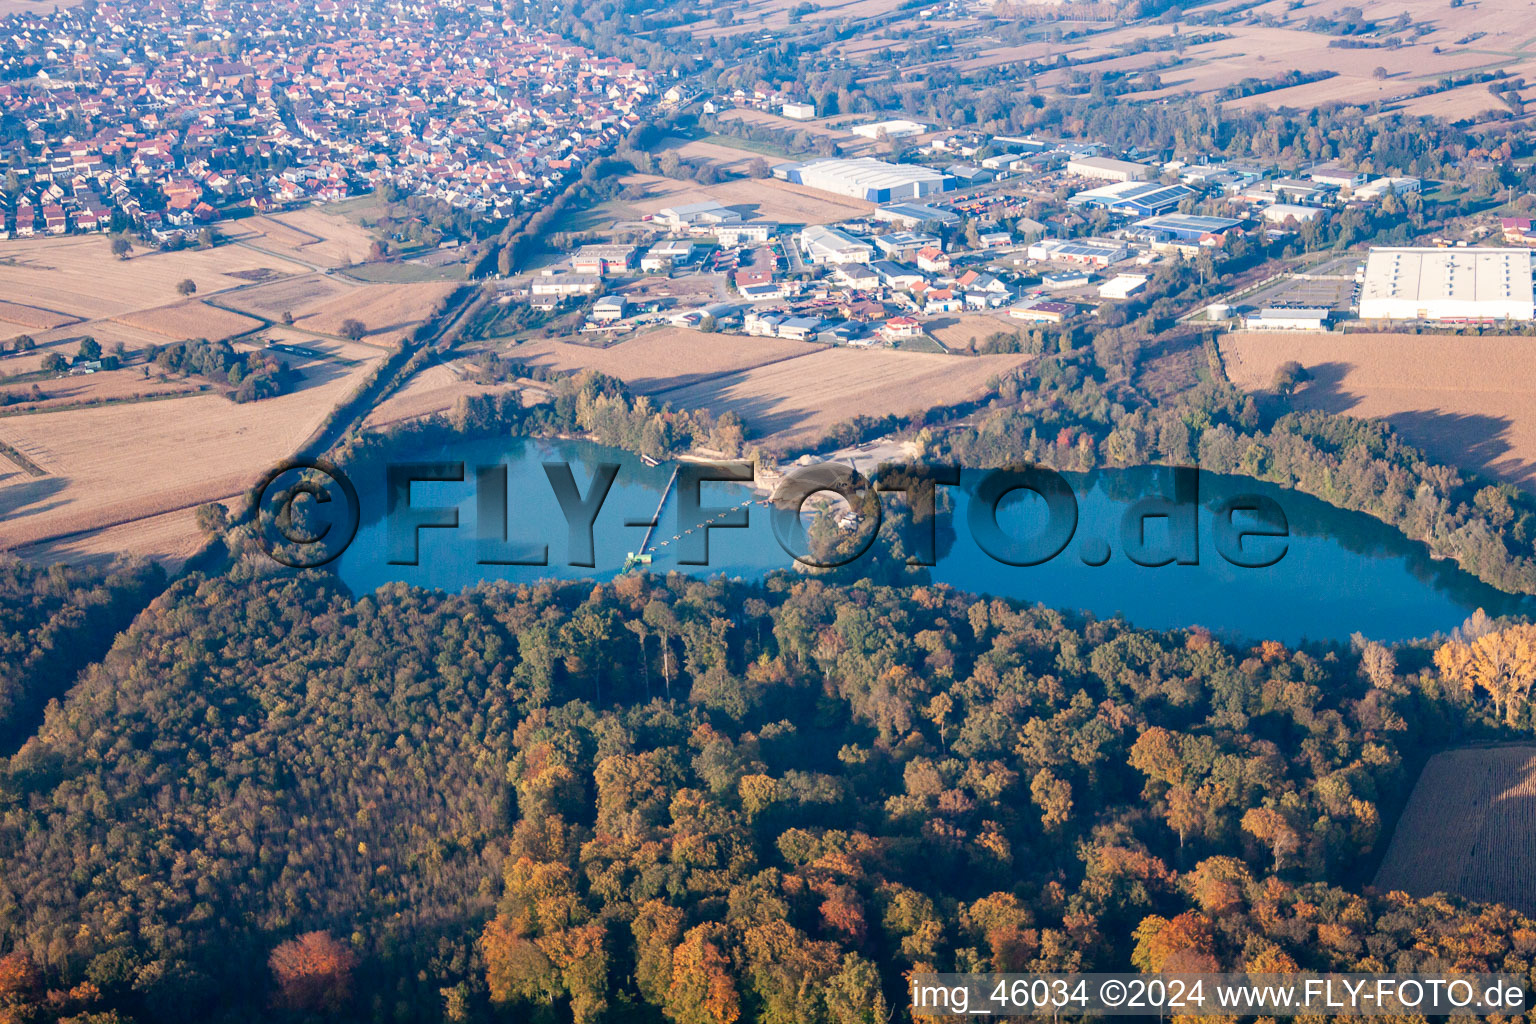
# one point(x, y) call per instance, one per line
point(1340, 572)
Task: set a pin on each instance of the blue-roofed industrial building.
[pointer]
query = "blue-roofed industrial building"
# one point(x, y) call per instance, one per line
point(1137, 198)
point(1186, 227)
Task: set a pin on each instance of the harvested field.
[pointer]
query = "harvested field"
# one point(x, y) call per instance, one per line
point(191, 319)
point(118, 464)
point(1268, 51)
point(666, 358)
point(774, 14)
point(755, 198)
point(34, 317)
point(66, 340)
point(126, 384)
point(1467, 827)
point(336, 348)
point(793, 403)
point(169, 539)
point(309, 234)
point(389, 311)
point(434, 390)
point(1467, 401)
point(291, 295)
point(727, 158)
point(80, 277)
point(961, 332)
point(853, 145)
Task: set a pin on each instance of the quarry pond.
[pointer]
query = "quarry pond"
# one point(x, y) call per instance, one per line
point(1331, 574)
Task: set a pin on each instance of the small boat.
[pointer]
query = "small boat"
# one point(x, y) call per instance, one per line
point(649, 461)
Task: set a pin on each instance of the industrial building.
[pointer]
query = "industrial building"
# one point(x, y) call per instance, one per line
point(1186, 227)
point(1138, 198)
point(876, 181)
point(1447, 285)
point(706, 211)
point(1122, 286)
point(1340, 177)
point(1287, 319)
point(832, 245)
point(798, 111)
point(900, 128)
point(1279, 213)
point(1092, 252)
point(751, 231)
point(603, 259)
point(912, 215)
point(1399, 186)
point(903, 245)
point(1109, 170)
point(1043, 312)
point(664, 255)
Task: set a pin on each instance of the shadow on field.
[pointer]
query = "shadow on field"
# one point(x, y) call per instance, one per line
point(29, 497)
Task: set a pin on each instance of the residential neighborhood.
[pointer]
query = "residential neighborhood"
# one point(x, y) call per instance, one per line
point(167, 119)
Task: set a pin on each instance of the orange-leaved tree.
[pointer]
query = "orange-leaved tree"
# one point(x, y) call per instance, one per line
point(314, 972)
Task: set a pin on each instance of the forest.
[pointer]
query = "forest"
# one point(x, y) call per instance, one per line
point(664, 799)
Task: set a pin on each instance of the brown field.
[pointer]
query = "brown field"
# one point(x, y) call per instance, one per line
point(1256, 50)
point(118, 464)
point(960, 332)
point(65, 340)
point(191, 319)
point(666, 358)
point(774, 14)
point(104, 386)
point(291, 295)
point(338, 348)
point(1467, 401)
point(434, 390)
point(170, 539)
point(855, 145)
point(792, 403)
point(387, 310)
point(308, 234)
point(728, 159)
point(1467, 827)
point(79, 275)
point(32, 316)
point(757, 199)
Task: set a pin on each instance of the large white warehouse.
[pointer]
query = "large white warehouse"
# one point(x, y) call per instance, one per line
point(867, 178)
point(1447, 285)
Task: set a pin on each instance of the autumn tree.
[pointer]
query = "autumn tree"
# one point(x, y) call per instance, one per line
point(702, 990)
point(20, 979)
point(1185, 943)
point(1501, 663)
point(1271, 828)
point(1053, 795)
point(314, 972)
point(658, 929)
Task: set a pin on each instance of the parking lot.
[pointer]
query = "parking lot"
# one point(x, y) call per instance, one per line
point(1336, 293)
